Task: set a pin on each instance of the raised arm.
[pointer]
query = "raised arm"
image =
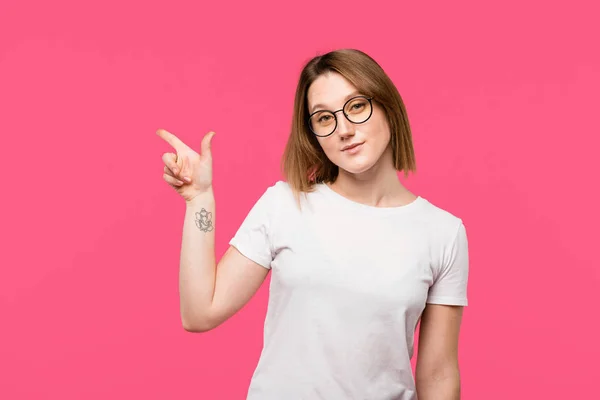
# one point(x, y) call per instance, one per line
point(208, 294)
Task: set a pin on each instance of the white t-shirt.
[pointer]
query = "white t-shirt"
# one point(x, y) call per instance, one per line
point(348, 285)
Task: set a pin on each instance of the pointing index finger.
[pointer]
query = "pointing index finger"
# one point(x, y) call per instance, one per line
point(171, 139)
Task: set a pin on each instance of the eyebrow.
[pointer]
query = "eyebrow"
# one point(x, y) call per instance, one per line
point(320, 106)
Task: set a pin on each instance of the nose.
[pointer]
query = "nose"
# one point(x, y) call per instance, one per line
point(344, 128)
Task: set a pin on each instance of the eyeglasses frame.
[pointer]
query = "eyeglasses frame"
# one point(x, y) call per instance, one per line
point(370, 100)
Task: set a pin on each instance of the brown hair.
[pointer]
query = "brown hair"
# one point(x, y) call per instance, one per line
point(304, 162)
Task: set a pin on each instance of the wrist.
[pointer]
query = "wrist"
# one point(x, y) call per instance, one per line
point(204, 199)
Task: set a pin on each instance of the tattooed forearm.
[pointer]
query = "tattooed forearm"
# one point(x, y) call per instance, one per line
point(204, 221)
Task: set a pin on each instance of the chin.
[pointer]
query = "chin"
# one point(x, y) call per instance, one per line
point(357, 166)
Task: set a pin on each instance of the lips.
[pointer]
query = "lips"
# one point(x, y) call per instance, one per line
point(351, 146)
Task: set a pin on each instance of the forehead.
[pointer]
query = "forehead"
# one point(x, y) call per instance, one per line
point(329, 91)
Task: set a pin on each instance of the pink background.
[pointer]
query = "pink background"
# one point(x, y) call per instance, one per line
point(503, 101)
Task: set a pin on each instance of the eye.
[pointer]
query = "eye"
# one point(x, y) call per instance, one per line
point(324, 118)
point(356, 106)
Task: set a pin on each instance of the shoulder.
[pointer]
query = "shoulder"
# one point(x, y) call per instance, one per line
point(274, 190)
point(282, 187)
point(276, 196)
point(277, 191)
point(446, 233)
point(443, 222)
point(284, 201)
point(282, 191)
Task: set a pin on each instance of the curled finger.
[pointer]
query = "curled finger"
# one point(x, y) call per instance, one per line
point(168, 171)
point(170, 160)
point(185, 169)
point(172, 181)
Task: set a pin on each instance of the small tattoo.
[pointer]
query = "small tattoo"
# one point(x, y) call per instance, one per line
point(203, 221)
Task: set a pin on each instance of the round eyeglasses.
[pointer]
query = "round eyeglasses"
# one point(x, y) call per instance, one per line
point(356, 110)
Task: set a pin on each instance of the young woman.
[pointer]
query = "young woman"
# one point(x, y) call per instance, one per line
point(356, 258)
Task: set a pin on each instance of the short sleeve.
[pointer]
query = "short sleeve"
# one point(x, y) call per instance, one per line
point(253, 236)
point(450, 281)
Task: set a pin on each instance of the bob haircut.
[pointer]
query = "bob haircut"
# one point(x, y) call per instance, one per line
point(304, 162)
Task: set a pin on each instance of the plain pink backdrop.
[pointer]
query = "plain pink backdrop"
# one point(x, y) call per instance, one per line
point(503, 102)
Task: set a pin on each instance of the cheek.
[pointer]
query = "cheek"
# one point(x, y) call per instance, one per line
point(383, 134)
point(327, 144)
point(377, 134)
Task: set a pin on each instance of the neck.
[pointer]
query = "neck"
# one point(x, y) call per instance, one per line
point(379, 186)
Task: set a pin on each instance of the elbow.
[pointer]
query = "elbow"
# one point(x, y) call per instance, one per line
point(197, 324)
point(441, 383)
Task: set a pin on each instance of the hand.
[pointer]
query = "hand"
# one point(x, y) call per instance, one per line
point(186, 171)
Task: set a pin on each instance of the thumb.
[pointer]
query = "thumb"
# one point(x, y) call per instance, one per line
point(206, 143)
